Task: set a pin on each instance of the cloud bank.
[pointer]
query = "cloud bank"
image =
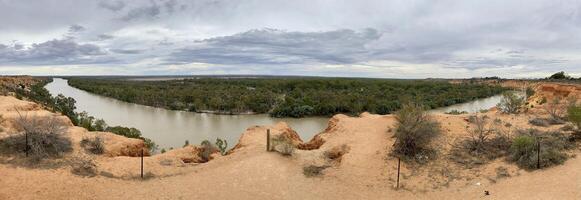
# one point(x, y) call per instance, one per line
point(377, 38)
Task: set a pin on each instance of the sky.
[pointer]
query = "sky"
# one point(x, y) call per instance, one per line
point(357, 38)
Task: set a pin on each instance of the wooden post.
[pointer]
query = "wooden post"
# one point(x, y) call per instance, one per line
point(398, 167)
point(538, 154)
point(26, 142)
point(267, 139)
point(141, 163)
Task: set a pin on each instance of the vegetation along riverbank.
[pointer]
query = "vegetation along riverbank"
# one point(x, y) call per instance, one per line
point(286, 97)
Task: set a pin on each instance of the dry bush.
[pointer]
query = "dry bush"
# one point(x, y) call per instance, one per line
point(44, 135)
point(556, 109)
point(542, 122)
point(486, 141)
point(313, 170)
point(414, 132)
point(282, 144)
point(336, 153)
point(83, 166)
point(94, 145)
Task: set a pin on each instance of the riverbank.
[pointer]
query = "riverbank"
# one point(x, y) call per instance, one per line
point(360, 167)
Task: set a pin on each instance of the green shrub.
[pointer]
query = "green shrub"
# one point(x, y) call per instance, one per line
point(529, 92)
point(524, 150)
point(510, 103)
point(574, 115)
point(414, 130)
point(207, 149)
point(133, 133)
point(455, 112)
point(222, 145)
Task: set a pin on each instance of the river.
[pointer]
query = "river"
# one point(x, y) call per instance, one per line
point(170, 128)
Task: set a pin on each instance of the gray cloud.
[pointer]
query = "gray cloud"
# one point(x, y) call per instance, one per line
point(53, 52)
point(462, 38)
point(146, 12)
point(105, 37)
point(112, 5)
point(270, 46)
point(76, 28)
point(127, 51)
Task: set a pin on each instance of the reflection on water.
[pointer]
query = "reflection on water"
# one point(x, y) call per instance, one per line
point(171, 128)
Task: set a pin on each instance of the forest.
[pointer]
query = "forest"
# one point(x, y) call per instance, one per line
point(285, 96)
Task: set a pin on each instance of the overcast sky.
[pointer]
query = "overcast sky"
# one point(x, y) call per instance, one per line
point(383, 38)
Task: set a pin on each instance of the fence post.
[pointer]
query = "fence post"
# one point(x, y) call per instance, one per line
point(398, 167)
point(26, 142)
point(141, 163)
point(538, 154)
point(267, 139)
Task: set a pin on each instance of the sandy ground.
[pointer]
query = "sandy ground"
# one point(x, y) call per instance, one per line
point(365, 171)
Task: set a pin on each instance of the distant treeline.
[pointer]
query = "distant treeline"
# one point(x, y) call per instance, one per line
point(286, 97)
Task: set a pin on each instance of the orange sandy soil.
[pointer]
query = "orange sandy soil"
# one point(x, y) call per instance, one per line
point(364, 171)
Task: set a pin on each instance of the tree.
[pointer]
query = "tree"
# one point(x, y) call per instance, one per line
point(66, 106)
point(510, 103)
point(100, 125)
point(560, 76)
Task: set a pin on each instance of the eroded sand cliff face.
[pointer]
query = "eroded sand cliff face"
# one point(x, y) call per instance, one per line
point(355, 152)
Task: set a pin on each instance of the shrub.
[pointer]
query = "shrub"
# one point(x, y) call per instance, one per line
point(574, 115)
point(480, 134)
point(222, 145)
point(186, 143)
point(336, 153)
point(455, 112)
point(414, 130)
point(313, 170)
point(207, 150)
point(83, 166)
point(524, 150)
point(486, 141)
point(94, 145)
point(45, 138)
point(556, 109)
point(510, 103)
point(539, 122)
point(529, 92)
point(282, 144)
